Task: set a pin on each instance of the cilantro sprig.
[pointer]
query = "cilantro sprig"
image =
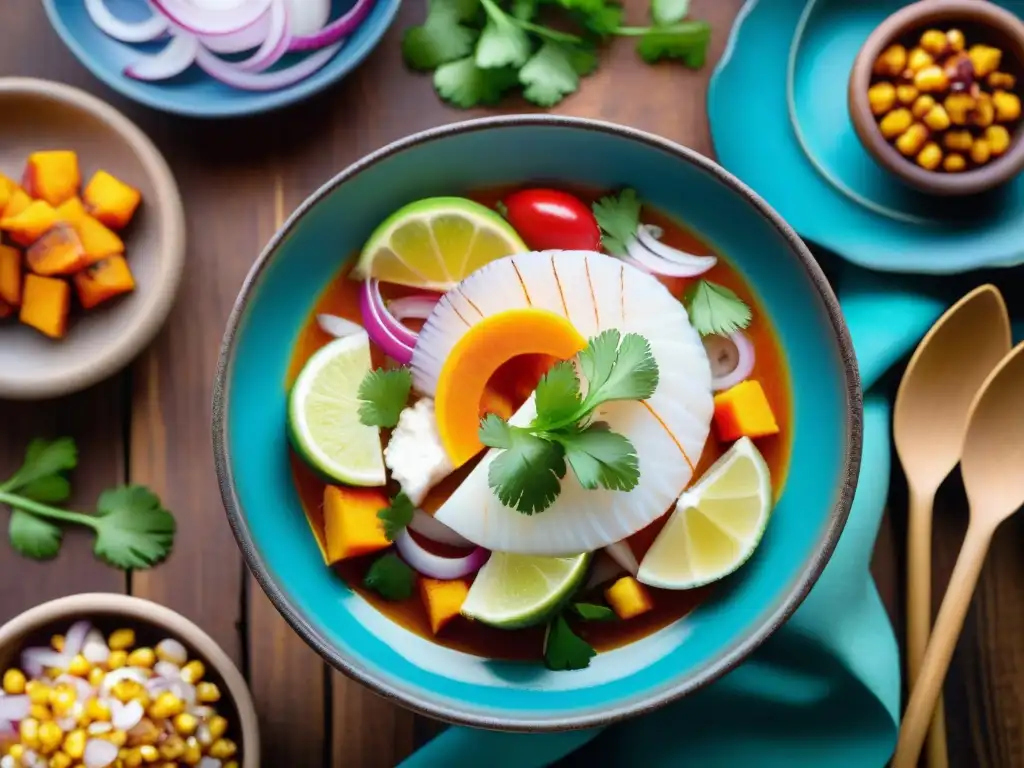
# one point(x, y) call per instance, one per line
point(618, 216)
point(390, 578)
point(397, 516)
point(526, 475)
point(132, 529)
point(479, 50)
point(715, 309)
point(563, 648)
point(383, 394)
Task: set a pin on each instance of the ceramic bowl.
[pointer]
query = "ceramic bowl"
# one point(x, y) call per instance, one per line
point(38, 114)
point(193, 93)
point(982, 22)
point(251, 447)
point(151, 623)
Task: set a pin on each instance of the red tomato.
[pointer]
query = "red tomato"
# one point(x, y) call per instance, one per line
point(551, 219)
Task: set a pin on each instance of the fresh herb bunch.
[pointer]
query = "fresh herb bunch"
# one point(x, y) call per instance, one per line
point(133, 530)
point(481, 49)
point(527, 474)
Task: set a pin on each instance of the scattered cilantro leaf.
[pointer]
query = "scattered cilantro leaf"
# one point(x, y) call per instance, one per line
point(584, 60)
point(564, 649)
point(495, 432)
point(440, 39)
point(618, 216)
point(465, 85)
point(49, 490)
point(503, 43)
point(527, 474)
point(601, 458)
point(634, 376)
point(598, 16)
point(390, 578)
point(549, 75)
point(592, 612)
point(34, 537)
point(397, 516)
point(598, 358)
point(384, 394)
point(669, 11)
point(524, 10)
point(686, 41)
point(44, 458)
point(558, 395)
point(463, 10)
point(133, 530)
point(715, 309)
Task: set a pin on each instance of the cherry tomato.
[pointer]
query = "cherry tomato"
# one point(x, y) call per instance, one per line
point(548, 219)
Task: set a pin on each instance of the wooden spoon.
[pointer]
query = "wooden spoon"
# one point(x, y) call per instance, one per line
point(929, 418)
point(991, 465)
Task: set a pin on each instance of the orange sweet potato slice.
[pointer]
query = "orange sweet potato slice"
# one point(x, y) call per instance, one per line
point(29, 225)
point(7, 187)
point(58, 252)
point(18, 202)
point(443, 600)
point(111, 200)
point(52, 176)
point(98, 241)
point(744, 411)
point(351, 523)
point(10, 275)
point(45, 305)
point(103, 280)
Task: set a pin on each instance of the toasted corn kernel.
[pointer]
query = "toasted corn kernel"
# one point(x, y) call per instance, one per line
point(149, 753)
point(97, 710)
point(142, 657)
point(14, 682)
point(57, 643)
point(930, 156)
point(28, 730)
point(959, 106)
point(892, 61)
point(954, 163)
point(116, 737)
point(1007, 106)
point(60, 760)
point(881, 98)
point(166, 706)
point(146, 732)
point(50, 737)
point(918, 59)
point(1001, 80)
point(40, 712)
point(126, 690)
point(934, 41)
point(172, 747)
point(985, 58)
point(38, 693)
point(937, 119)
point(998, 139)
point(193, 672)
point(193, 752)
point(17, 751)
point(223, 749)
point(922, 105)
point(984, 113)
point(74, 744)
point(117, 659)
point(79, 666)
point(218, 726)
point(905, 94)
point(130, 758)
point(930, 79)
point(895, 123)
point(956, 40)
point(121, 639)
point(185, 724)
point(207, 693)
point(96, 675)
point(959, 141)
point(981, 152)
point(911, 141)
point(62, 699)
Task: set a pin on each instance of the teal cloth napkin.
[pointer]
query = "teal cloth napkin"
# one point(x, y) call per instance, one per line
point(825, 689)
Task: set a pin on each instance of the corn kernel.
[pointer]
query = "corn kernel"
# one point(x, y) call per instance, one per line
point(910, 141)
point(1001, 80)
point(117, 659)
point(97, 710)
point(998, 139)
point(193, 672)
point(79, 666)
point(50, 737)
point(74, 744)
point(881, 98)
point(57, 643)
point(40, 712)
point(231, 764)
point(185, 724)
point(172, 747)
point(956, 40)
point(96, 675)
point(223, 749)
point(28, 731)
point(193, 752)
point(116, 737)
point(1007, 106)
point(981, 152)
point(14, 682)
point(130, 758)
point(922, 105)
point(146, 732)
point(166, 706)
point(168, 765)
point(985, 59)
point(892, 61)
point(937, 119)
point(126, 690)
point(959, 141)
point(60, 760)
point(984, 113)
point(38, 693)
point(958, 107)
point(149, 753)
point(207, 693)
point(17, 751)
point(918, 59)
point(895, 123)
point(930, 156)
point(121, 639)
point(142, 657)
point(218, 726)
point(934, 41)
point(932, 79)
point(62, 699)
point(905, 94)
point(954, 163)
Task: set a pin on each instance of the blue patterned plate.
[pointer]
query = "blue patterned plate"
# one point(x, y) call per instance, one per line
point(779, 121)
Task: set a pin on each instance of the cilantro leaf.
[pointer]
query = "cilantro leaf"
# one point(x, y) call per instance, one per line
point(527, 475)
point(384, 394)
point(133, 530)
point(503, 43)
point(592, 612)
point(598, 16)
point(44, 458)
point(397, 516)
point(390, 578)
point(669, 11)
point(49, 490)
point(715, 309)
point(34, 537)
point(618, 218)
point(584, 60)
point(440, 39)
point(686, 41)
point(495, 432)
point(598, 358)
point(564, 649)
point(558, 395)
point(524, 10)
point(466, 85)
point(463, 10)
point(601, 458)
point(635, 375)
point(549, 76)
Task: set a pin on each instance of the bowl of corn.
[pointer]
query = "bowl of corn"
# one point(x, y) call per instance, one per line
point(112, 681)
point(934, 95)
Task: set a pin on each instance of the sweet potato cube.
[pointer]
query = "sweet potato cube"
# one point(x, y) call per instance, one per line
point(29, 225)
point(103, 280)
point(111, 200)
point(6, 310)
point(98, 241)
point(45, 305)
point(7, 187)
point(744, 411)
point(628, 598)
point(18, 202)
point(351, 523)
point(10, 275)
point(52, 176)
point(58, 252)
point(443, 600)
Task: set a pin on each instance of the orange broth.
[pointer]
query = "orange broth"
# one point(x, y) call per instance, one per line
point(341, 298)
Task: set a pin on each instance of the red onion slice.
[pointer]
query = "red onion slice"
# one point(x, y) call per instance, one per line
point(338, 327)
point(732, 359)
point(275, 44)
point(337, 30)
point(126, 716)
point(430, 528)
point(244, 40)
point(99, 753)
point(14, 708)
point(435, 566)
point(36, 660)
point(412, 307)
point(95, 648)
point(649, 236)
point(212, 21)
point(657, 265)
point(622, 554)
point(74, 639)
point(171, 650)
point(371, 307)
point(217, 5)
point(175, 58)
point(603, 570)
point(309, 16)
point(390, 321)
point(83, 691)
point(125, 31)
point(138, 674)
point(230, 74)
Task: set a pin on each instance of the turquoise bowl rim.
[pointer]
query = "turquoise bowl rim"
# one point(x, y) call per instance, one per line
point(768, 624)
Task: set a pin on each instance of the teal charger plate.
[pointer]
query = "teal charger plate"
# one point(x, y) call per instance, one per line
point(779, 120)
point(251, 448)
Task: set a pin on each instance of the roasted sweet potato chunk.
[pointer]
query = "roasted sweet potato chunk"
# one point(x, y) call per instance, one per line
point(103, 280)
point(111, 200)
point(29, 225)
point(98, 241)
point(58, 252)
point(7, 187)
point(18, 202)
point(45, 305)
point(10, 275)
point(52, 176)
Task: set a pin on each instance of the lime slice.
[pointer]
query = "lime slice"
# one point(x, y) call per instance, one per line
point(716, 525)
point(513, 591)
point(435, 243)
point(323, 414)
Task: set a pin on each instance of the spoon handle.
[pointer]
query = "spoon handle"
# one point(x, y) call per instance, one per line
point(948, 625)
point(919, 611)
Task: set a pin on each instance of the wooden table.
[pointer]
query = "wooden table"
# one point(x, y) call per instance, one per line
point(151, 424)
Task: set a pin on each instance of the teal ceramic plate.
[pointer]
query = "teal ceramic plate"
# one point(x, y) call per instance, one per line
point(779, 121)
point(264, 510)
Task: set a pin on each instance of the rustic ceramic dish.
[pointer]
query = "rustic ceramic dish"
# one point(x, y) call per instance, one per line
point(981, 21)
point(151, 623)
point(37, 115)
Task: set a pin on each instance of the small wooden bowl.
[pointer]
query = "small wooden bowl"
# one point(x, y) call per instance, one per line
point(981, 22)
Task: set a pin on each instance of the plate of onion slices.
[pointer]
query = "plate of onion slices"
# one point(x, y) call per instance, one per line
point(219, 58)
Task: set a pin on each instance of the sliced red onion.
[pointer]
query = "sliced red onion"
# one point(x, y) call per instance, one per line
point(212, 21)
point(602, 570)
point(622, 554)
point(337, 30)
point(649, 236)
point(171, 650)
point(275, 44)
point(229, 73)
point(112, 678)
point(184, 691)
point(95, 648)
point(203, 735)
point(203, 712)
point(97, 729)
point(74, 639)
point(125, 31)
point(126, 716)
point(393, 323)
point(658, 265)
point(82, 688)
point(412, 307)
point(339, 327)
point(68, 723)
point(731, 357)
point(35, 661)
point(175, 57)
point(429, 527)
point(245, 40)
point(371, 307)
point(14, 708)
point(166, 669)
point(99, 753)
point(158, 684)
point(435, 566)
point(308, 16)
point(217, 5)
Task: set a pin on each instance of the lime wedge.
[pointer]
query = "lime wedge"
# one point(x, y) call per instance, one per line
point(513, 591)
point(434, 243)
point(716, 525)
point(323, 414)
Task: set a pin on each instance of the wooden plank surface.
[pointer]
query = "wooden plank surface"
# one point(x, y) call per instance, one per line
point(239, 179)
